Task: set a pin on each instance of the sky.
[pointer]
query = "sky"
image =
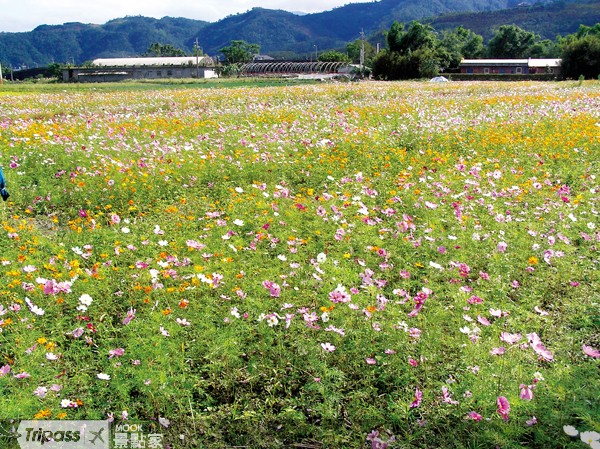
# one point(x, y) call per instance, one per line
point(25, 15)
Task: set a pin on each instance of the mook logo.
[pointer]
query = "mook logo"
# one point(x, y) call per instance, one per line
point(63, 434)
point(129, 428)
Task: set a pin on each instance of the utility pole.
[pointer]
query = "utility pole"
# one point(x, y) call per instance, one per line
point(362, 51)
point(197, 47)
point(1, 80)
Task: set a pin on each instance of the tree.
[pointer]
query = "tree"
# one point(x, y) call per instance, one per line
point(239, 52)
point(411, 53)
point(158, 49)
point(581, 56)
point(510, 41)
point(56, 70)
point(394, 37)
point(544, 49)
point(417, 36)
point(333, 56)
point(353, 49)
point(459, 44)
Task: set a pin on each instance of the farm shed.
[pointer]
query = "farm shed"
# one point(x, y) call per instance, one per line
point(119, 69)
point(510, 66)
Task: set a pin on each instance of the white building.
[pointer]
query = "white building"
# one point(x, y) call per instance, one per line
point(119, 69)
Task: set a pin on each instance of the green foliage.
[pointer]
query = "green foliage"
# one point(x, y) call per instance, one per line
point(581, 56)
point(547, 20)
point(354, 49)
point(56, 70)
point(460, 43)
point(412, 53)
point(239, 52)
point(158, 49)
point(510, 41)
point(333, 56)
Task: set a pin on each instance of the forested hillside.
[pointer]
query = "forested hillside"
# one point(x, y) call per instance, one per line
point(547, 20)
point(284, 34)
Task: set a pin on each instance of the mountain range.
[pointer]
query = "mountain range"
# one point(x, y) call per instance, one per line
point(285, 34)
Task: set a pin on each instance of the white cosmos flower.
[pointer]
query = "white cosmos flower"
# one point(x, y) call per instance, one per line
point(436, 266)
point(85, 299)
point(589, 437)
point(571, 431)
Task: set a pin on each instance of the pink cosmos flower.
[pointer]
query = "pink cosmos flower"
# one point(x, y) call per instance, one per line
point(116, 353)
point(371, 361)
point(592, 352)
point(164, 422)
point(130, 316)
point(503, 407)
point(339, 295)
point(418, 398)
point(414, 332)
point(40, 391)
point(496, 313)
point(510, 338)
point(526, 392)
point(49, 287)
point(328, 347)
point(193, 244)
point(531, 422)
point(483, 320)
point(274, 289)
point(540, 311)
point(475, 300)
point(498, 351)
point(4, 370)
point(447, 396)
point(475, 416)
point(539, 348)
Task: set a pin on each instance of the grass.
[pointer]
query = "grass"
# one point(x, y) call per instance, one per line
point(335, 265)
point(52, 86)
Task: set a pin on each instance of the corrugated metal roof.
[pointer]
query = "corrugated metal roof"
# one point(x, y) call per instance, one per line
point(162, 61)
point(494, 61)
point(544, 62)
point(531, 62)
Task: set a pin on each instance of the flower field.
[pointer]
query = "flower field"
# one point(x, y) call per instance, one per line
point(338, 266)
